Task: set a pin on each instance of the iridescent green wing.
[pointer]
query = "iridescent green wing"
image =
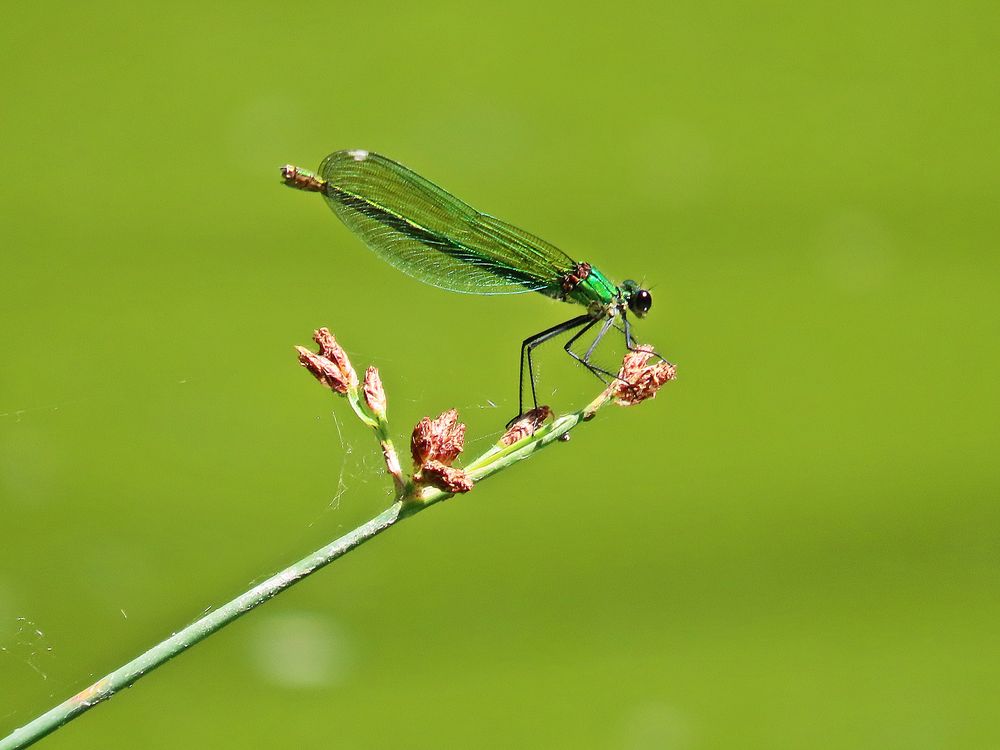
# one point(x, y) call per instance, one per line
point(431, 235)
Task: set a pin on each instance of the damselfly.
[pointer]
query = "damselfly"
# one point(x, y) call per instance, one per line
point(433, 236)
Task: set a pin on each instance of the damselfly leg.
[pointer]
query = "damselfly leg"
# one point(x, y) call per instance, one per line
point(540, 338)
point(584, 323)
point(599, 372)
point(630, 340)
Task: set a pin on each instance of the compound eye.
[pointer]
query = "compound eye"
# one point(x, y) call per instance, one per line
point(640, 302)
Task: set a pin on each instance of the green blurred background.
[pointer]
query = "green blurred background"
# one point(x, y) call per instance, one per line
point(795, 545)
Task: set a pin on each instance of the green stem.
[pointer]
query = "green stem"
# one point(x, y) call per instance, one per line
point(494, 460)
point(125, 676)
point(380, 425)
point(500, 458)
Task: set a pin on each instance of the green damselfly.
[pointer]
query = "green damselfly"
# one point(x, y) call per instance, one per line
point(433, 236)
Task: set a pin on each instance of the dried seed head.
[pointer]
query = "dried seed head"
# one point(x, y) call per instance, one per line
point(331, 366)
point(374, 393)
point(440, 439)
point(325, 371)
point(639, 380)
point(434, 445)
point(447, 478)
point(329, 348)
point(527, 425)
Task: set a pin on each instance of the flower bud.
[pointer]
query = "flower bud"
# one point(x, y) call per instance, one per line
point(435, 444)
point(330, 366)
point(374, 393)
point(440, 439)
point(637, 380)
point(526, 425)
point(447, 478)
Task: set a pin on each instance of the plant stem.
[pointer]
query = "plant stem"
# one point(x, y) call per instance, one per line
point(498, 459)
point(486, 465)
point(126, 675)
point(411, 498)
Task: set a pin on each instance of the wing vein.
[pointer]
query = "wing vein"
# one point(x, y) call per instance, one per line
point(433, 236)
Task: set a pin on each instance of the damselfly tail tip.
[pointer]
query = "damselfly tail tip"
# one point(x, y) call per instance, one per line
point(301, 179)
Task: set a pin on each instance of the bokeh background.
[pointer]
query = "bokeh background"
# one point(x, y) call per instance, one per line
point(795, 545)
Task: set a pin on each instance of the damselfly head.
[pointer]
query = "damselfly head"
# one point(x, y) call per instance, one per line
point(639, 300)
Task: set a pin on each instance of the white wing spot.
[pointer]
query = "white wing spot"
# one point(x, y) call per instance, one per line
point(359, 155)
